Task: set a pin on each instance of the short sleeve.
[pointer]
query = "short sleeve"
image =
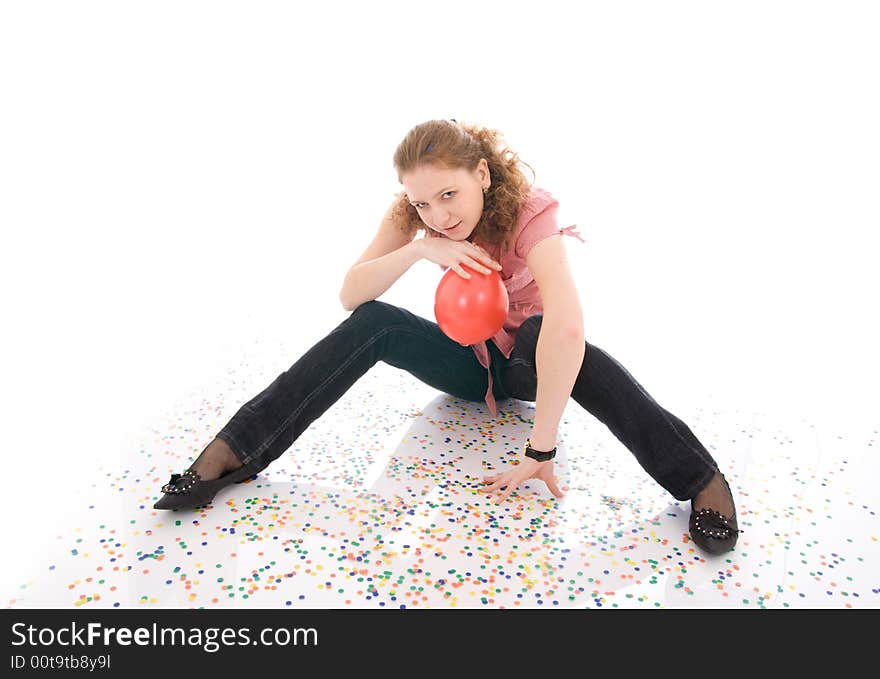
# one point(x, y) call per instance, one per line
point(542, 225)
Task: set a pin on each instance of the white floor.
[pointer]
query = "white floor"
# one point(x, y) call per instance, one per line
point(375, 505)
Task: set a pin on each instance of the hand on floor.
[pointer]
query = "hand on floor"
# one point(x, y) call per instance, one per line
point(525, 470)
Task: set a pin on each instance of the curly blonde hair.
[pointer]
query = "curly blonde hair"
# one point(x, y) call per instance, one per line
point(449, 144)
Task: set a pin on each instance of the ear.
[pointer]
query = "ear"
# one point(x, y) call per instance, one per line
point(483, 168)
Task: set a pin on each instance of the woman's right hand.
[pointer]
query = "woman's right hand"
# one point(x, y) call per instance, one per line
point(455, 253)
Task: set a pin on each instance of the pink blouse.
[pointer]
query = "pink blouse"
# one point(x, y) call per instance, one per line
point(537, 221)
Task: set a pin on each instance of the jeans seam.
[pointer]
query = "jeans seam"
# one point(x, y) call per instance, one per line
point(518, 361)
point(308, 399)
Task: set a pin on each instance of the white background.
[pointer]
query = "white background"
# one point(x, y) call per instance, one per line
point(179, 180)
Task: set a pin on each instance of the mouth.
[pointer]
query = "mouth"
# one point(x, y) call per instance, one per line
point(453, 227)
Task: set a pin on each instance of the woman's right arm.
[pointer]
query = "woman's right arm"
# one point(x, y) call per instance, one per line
point(393, 252)
point(367, 280)
point(386, 259)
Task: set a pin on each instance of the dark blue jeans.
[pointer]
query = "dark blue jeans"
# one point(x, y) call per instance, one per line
point(267, 425)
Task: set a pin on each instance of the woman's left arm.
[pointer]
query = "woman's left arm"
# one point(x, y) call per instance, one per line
point(561, 346)
point(559, 356)
point(558, 360)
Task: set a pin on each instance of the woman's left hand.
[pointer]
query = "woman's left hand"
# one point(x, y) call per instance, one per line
point(525, 470)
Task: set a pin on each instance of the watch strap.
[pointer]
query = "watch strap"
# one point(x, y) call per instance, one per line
point(538, 455)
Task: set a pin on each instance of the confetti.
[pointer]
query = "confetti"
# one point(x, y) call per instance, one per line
point(376, 505)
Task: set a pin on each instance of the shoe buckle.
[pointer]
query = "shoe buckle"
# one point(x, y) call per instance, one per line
point(714, 524)
point(189, 477)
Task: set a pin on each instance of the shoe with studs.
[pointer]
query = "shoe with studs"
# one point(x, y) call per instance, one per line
point(711, 531)
point(189, 490)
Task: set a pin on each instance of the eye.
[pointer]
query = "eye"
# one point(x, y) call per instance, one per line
point(416, 205)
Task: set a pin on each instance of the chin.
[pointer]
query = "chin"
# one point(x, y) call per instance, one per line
point(456, 234)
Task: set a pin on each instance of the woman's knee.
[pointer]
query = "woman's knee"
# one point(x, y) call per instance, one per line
point(375, 312)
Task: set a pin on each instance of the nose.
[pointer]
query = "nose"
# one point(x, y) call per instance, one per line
point(444, 223)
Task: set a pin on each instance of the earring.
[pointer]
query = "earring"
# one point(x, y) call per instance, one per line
point(485, 190)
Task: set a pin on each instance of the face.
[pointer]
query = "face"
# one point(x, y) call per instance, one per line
point(448, 201)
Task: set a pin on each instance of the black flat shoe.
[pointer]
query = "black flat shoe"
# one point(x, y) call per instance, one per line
point(189, 490)
point(711, 531)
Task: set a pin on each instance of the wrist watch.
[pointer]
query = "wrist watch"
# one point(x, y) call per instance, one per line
point(537, 454)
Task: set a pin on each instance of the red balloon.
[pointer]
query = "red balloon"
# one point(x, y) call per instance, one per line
point(470, 310)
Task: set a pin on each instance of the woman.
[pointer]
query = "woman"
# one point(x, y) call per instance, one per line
point(469, 195)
